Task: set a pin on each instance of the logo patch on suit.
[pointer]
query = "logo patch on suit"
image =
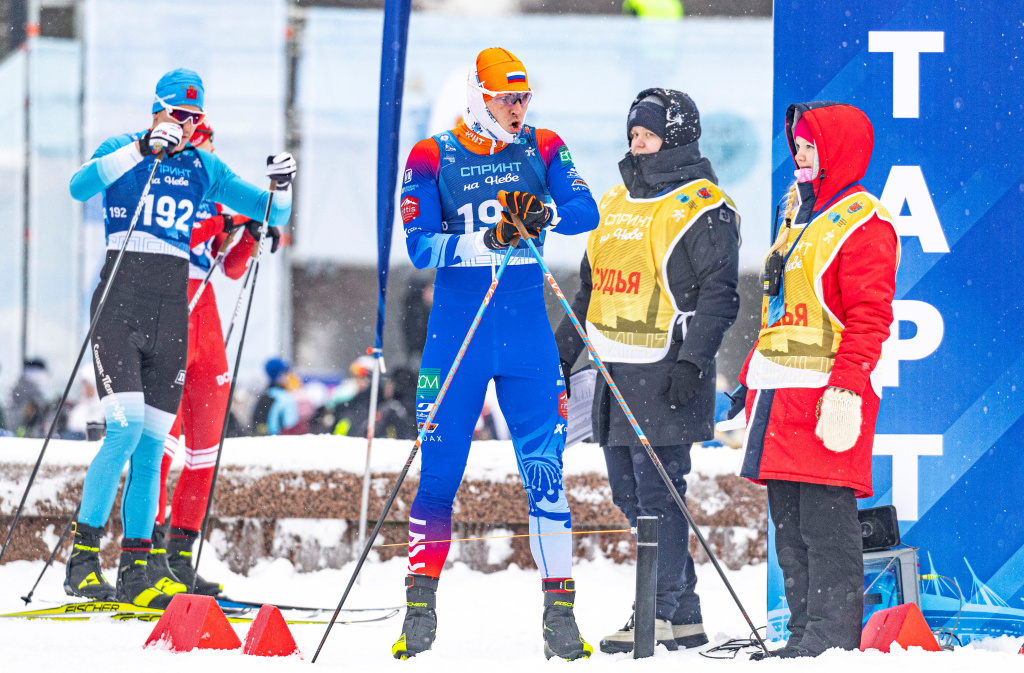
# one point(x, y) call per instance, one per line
point(410, 208)
point(180, 378)
point(429, 384)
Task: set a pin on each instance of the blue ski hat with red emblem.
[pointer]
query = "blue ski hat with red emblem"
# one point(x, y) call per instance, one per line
point(178, 87)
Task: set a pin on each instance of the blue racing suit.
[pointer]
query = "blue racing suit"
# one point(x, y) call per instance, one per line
point(449, 199)
point(140, 344)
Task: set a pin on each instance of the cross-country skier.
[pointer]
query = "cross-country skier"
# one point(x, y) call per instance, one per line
point(459, 191)
point(204, 399)
point(140, 344)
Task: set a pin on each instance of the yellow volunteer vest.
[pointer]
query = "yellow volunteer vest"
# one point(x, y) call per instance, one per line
point(631, 312)
point(799, 350)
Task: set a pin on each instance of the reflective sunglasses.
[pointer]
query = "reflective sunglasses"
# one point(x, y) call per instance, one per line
point(511, 98)
point(181, 115)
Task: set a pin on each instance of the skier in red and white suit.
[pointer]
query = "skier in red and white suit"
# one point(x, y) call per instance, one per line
point(207, 382)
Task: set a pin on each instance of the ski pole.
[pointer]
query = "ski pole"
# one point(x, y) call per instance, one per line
point(424, 429)
point(257, 253)
point(241, 295)
point(213, 267)
point(53, 554)
point(371, 424)
point(636, 426)
point(81, 354)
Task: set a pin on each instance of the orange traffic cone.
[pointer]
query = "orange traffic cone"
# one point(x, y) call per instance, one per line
point(194, 622)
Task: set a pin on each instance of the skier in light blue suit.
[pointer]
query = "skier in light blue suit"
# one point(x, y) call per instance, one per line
point(140, 344)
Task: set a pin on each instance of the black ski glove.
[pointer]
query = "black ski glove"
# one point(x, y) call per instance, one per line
point(739, 401)
point(501, 235)
point(684, 383)
point(273, 233)
point(530, 209)
point(234, 222)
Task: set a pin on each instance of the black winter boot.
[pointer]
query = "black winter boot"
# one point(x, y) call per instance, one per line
point(561, 635)
point(179, 556)
point(133, 585)
point(83, 576)
point(420, 624)
point(160, 574)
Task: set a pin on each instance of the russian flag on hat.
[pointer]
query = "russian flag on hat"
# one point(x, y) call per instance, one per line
point(499, 70)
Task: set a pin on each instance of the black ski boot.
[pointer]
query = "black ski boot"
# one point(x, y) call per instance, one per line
point(84, 576)
point(160, 574)
point(133, 585)
point(561, 635)
point(179, 556)
point(420, 624)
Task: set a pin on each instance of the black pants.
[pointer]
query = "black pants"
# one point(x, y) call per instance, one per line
point(818, 542)
point(141, 340)
point(638, 490)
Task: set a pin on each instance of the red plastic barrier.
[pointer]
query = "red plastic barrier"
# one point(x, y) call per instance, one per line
point(269, 635)
point(903, 624)
point(194, 622)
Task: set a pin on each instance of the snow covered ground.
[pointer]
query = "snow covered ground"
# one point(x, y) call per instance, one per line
point(486, 622)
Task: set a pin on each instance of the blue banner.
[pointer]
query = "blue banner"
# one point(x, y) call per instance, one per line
point(941, 82)
point(389, 117)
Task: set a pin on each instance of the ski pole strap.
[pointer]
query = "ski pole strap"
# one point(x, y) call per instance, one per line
point(566, 584)
point(421, 581)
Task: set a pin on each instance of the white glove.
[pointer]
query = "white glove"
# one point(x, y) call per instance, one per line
point(281, 169)
point(164, 136)
point(839, 419)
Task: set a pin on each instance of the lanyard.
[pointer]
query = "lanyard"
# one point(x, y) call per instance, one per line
point(814, 215)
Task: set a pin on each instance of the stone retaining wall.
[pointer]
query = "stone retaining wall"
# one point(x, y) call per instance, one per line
point(311, 518)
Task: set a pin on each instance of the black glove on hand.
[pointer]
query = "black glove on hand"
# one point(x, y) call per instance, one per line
point(566, 373)
point(530, 209)
point(739, 401)
point(273, 233)
point(684, 382)
point(501, 235)
point(234, 222)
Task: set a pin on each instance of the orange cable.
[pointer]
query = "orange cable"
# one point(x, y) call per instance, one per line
point(499, 537)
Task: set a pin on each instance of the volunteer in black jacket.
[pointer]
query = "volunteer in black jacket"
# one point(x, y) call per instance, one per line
point(658, 292)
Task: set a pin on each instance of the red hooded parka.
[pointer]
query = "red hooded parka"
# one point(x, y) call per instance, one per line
point(858, 288)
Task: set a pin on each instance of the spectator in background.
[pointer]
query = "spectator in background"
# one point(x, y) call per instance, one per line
point(396, 412)
point(348, 410)
point(29, 406)
point(87, 408)
point(418, 300)
point(276, 410)
point(654, 9)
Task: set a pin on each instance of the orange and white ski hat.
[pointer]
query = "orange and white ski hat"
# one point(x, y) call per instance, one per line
point(499, 70)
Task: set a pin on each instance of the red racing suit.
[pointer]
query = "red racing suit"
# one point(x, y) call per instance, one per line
point(205, 397)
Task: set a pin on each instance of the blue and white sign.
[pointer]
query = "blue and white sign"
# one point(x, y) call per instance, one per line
point(941, 81)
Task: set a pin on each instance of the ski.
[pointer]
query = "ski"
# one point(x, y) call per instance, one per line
point(134, 616)
point(84, 610)
point(243, 613)
point(231, 603)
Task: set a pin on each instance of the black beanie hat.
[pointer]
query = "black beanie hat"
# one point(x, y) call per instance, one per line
point(648, 113)
point(669, 113)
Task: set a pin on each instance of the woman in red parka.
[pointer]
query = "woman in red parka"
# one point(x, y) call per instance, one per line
point(812, 400)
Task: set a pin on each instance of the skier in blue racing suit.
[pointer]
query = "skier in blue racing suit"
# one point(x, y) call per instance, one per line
point(140, 344)
point(459, 190)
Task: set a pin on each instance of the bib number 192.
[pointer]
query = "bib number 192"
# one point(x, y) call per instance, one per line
point(167, 212)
